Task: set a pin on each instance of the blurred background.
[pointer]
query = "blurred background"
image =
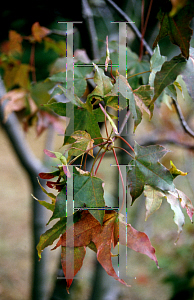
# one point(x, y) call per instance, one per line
point(22, 158)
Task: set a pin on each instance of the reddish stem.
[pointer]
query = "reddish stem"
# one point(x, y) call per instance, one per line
point(102, 155)
point(124, 150)
point(126, 142)
point(121, 178)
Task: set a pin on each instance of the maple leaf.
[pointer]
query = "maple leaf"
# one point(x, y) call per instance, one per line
point(15, 43)
point(177, 27)
point(146, 169)
point(88, 191)
point(168, 74)
point(103, 86)
point(17, 74)
point(154, 198)
point(89, 233)
point(83, 120)
point(19, 100)
point(79, 254)
point(45, 119)
point(188, 74)
point(78, 80)
point(39, 32)
point(82, 142)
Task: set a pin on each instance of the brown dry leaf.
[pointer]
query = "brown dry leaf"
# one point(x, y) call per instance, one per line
point(39, 32)
point(18, 101)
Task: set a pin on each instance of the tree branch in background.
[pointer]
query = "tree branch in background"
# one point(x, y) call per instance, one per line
point(32, 166)
point(184, 124)
point(130, 24)
point(88, 16)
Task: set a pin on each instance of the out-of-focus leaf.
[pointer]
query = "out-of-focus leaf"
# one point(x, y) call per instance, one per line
point(176, 6)
point(40, 92)
point(177, 27)
point(39, 32)
point(19, 99)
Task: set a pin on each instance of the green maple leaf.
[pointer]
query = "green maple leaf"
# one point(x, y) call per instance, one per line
point(103, 86)
point(47, 238)
point(88, 191)
point(177, 27)
point(83, 119)
point(146, 169)
point(168, 74)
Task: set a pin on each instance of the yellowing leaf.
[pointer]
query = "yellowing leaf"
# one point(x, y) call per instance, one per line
point(175, 172)
point(153, 201)
point(15, 42)
point(39, 32)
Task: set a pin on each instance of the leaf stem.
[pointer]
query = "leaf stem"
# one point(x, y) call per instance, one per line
point(95, 160)
point(124, 150)
point(138, 74)
point(121, 179)
point(125, 142)
point(102, 155)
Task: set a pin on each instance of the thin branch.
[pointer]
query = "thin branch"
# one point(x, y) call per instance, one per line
point(153, 141)
point(144, 28)
point(131, 24)
point(88, 16)
point(184, 124)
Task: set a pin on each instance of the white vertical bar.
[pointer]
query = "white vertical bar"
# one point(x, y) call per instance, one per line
point(70, 224)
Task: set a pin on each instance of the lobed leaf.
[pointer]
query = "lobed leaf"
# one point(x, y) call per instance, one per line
point(168, 74)
point(177, 27)
point(146, 169)
point(136, 240)
point(88, 191)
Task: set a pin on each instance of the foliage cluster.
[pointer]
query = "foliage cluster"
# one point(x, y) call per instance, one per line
point(96, 225)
